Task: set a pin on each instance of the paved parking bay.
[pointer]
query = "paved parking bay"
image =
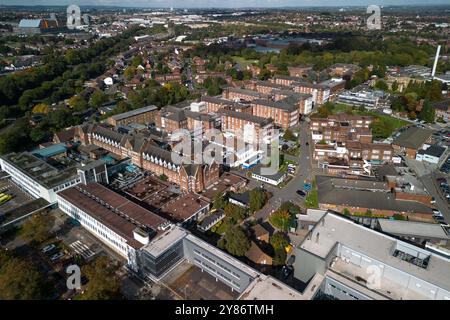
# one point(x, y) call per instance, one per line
point(82, 249)
point(189, 282)
point(19, 197)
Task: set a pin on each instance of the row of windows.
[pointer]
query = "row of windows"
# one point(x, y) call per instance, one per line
point(221, 275)
point(92, 224)
point(343, 291)
point(67, 184)
point(17, 175)
point(236, 275)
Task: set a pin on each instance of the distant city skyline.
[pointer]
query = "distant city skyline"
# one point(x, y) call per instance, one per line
point(224, 3)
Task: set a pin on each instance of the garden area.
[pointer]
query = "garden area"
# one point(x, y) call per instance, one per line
point(382, 127)
point(312, 198)
point(284, 217)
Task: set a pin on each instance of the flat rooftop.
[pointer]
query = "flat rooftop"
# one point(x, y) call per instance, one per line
point(268, 288)
point(184, 207)
point(334, 229)
point(413, 138)
point(224, 256)
point(165, 240)
point(331, 193)
point(134, 112)
point(113, 210)
point(359, 184)
point(413, 228)
point(40, 170)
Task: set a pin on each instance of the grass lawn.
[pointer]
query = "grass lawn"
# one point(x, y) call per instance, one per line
point(244, 62)
point(219, 228)
point(342, 108)
point(383, 125)
point(312, 199)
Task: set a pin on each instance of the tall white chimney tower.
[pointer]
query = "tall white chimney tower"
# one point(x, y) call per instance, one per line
point(435, 61)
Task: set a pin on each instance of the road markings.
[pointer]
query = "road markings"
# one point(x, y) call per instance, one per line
point(82, 249)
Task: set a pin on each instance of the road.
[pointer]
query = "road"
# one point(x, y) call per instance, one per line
point(430, 183)
point(289, 192)
point(427, 174)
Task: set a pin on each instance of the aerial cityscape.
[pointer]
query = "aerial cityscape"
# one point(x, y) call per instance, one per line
point(244, 151)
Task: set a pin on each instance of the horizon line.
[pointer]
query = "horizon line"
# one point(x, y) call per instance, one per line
point(202, 7)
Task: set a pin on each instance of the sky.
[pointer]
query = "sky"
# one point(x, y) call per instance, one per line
point(222, 3)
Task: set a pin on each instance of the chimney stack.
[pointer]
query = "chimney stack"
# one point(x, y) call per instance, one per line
point(435, 61)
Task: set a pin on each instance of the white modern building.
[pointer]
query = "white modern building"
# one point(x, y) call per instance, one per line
point(358, 263)
point(273, 179)
point(119, 223)
point(431, 154)
point(38, 178)
point(367, 99)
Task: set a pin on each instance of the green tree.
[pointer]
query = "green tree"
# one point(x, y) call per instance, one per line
point(434, 93)
point(213, 85)
point(235, 212)
point(41, 108)
point(78, 103)
point(289, 136)
point(235, 241)
point(98, 98)
point(279, 240)
point(264, 74)
point(129, 73)
point(103, 282)
point(136, 61)
point(38, 133)
point(257, 199)
point(293, 209)
point(19, 280)
point(279, 257)
point(394, 86)
point(281, 219)
point(37, 228)
point(220, 201)
point(428, 113)
point(382, 85)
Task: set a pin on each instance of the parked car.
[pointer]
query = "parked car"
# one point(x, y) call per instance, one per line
point(287, 271)
point(48, 248)
point(57, 256)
